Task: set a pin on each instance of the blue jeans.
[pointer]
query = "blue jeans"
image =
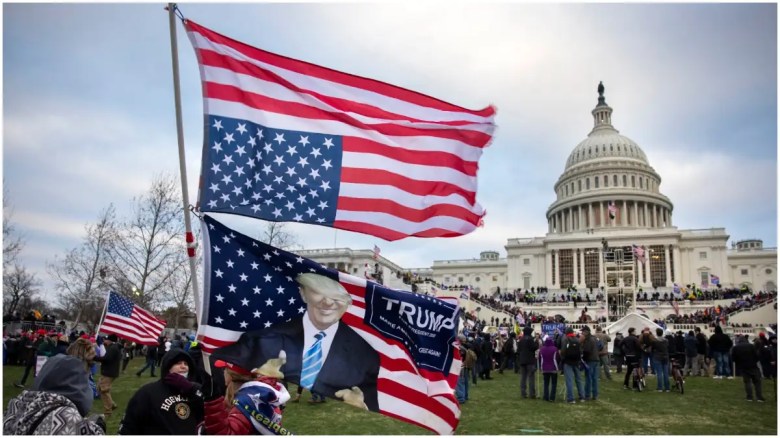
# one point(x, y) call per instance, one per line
point(462, 387)
point(646, 359)
point(150, 362)
point(722, 364)
point(571, 372)
point(662, 374)
point(592, 379)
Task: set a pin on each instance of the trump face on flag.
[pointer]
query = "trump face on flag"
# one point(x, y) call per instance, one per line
point(324, 355)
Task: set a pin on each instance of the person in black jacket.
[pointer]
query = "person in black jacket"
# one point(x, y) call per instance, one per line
point(109, 370)
point(172, 405)
point(631, 350)
point(746, 359)
point(720, 345)
point(526, 349)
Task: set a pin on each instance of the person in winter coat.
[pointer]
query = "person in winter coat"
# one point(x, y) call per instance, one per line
point(604, 352)
point(660, 351)
point(590, 354)
point(746, 360)
point(109, 370)
point(691, 354)
point(57, 405)
point(572, 355)
point(720, 346)
point(29, 354)
point(631, 350)
point(526, 359)
point(172, 405)
point(252, 402)
point(617, 352)
point(550, 365)
point(701, 354)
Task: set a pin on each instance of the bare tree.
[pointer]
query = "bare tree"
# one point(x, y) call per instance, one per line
point(276, 234)
point(78, 275)
point(12, 242)
point(19, 286)
point(150, 245)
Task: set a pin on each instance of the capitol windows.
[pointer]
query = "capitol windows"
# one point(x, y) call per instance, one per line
point(624, 181)
point(633, 181)
point(596, 182)
point(606, 181)
point(640, 184)
point(587, 183)
point(705, 278)
point(579, 185)
point(460, 280)
point(768, 271)
point(528, 262)
point(744, 272)
point(703, 255)
point(614, 180)
point(476, 279)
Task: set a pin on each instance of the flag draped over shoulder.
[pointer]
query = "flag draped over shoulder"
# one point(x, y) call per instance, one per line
point(131, 322)
point(287, 140)
point(249, 286)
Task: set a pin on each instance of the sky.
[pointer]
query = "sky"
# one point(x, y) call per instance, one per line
point(88, 106)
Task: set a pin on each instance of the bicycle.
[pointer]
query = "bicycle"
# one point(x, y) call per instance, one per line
point(677, 376)
point(638, 378)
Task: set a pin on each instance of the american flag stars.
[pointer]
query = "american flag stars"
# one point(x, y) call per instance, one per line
point(253, 285)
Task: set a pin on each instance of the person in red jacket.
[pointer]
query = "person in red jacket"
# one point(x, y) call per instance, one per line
point(252, 401)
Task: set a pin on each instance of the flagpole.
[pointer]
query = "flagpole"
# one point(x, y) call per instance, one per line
point(182, 162)
point(103, 315)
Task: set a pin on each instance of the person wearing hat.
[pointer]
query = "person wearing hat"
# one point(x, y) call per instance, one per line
point(252, 401)
point(340, 358)
point(57, 405)
point(109, 370)
point(172, 405)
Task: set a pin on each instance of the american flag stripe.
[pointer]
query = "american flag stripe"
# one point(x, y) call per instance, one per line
point(313, 74)
point(389, 136)
point(131, 322)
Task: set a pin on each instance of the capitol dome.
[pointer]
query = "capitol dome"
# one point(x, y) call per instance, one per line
point(607, 182)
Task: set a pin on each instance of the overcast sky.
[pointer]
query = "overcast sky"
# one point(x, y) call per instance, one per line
point(89, 118)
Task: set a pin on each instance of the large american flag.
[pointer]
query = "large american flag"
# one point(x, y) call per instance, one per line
point(287, 140)
point(131, 322)
point(249, 285)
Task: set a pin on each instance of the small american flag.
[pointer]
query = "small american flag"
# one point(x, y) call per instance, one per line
point(612, 210)
point(131, 322)
point(639, 253)
point(249, 285)
point(287, 140)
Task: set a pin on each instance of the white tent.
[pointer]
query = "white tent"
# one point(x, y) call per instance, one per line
point(632, 319)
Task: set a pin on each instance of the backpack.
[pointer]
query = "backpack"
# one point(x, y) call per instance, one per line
point(573, 352)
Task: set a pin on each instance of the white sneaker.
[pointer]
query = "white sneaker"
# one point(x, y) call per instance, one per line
point(730, 377)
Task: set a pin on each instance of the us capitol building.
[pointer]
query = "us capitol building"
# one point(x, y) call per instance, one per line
point(608, 196)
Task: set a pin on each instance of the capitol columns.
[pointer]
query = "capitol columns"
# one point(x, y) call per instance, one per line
point(668, 267)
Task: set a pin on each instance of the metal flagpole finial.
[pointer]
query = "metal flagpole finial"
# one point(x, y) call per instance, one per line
point(176, 10)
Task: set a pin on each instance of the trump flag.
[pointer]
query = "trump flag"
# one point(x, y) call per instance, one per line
point(286, 140)
point(250, 286)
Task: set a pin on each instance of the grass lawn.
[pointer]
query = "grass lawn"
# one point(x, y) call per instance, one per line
point(709, 407)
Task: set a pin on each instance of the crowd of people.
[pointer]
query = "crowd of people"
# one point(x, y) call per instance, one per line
point(183, 401)
point(581, 358)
